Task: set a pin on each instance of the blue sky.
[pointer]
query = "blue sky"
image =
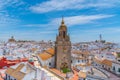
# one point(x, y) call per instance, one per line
point(40, 19)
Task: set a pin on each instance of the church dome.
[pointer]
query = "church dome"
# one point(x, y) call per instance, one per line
point(11, 39)
point(62, 26)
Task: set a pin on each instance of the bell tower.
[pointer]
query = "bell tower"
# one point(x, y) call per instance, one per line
point(63, 48)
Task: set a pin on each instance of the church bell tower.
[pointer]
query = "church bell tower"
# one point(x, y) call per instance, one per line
point(63, 48)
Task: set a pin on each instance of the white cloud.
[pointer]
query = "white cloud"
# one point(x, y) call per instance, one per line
point(6, 3)
point(56, 5)
point(82, 19)
point(5, 18)
point(78, 20)
point(71, 21)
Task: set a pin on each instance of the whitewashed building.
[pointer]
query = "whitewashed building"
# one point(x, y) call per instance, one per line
point(47, 58)
point(25, 71)
point(116, 68)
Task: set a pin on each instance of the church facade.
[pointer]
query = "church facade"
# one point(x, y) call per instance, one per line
point(62, 48)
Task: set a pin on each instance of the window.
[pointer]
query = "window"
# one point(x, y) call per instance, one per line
point(64, 34)
point(119, 70)
point(49, 64)
point(82, 60)
point(102, 65)
point(114, 68)
point(82, 55)
point(9, 78)
point(6, 76)
point(71, 61)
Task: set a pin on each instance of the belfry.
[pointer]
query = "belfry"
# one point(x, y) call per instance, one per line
point(63, 48)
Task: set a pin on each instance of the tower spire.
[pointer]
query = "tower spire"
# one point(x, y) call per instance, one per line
point(62, 20)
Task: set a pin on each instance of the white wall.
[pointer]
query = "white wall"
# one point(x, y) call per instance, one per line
point(46, 62)
point(117, 66)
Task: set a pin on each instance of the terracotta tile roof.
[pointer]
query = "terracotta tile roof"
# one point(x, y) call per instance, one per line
point(18, 75)
point(16, 72)
point(44, 56)
point(75, 76)
point(80, 52)
point(1, 78)
point(76, 52)
point(34, 49)
point(83, 58)
point(82, 74)
point(50, 51)
point(9, 70)
point(107, 62)
point(47, 54)
point(19, 67)
point(58, 72)
point(84, 65)
point(97, 61)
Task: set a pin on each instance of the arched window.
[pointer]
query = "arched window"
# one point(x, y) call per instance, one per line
point(64, 34)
